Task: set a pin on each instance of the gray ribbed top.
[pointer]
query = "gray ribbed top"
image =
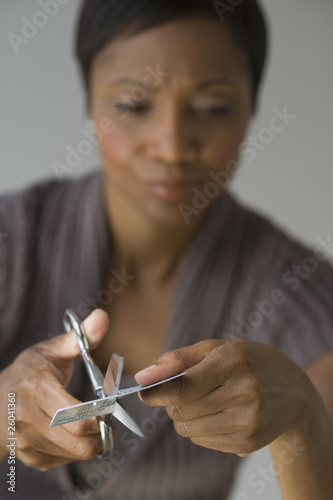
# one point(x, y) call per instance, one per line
point(56, 255)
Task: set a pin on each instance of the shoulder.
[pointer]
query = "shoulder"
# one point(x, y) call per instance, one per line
point(30, 219)
point(23, 207)
point(282, 289)
point(273, 245)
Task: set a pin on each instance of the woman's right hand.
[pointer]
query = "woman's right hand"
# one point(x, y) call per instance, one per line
point(38, 377)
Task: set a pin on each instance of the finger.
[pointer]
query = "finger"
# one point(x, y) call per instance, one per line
point(44, 454)
point(209, 404)
point(232, 396)
point(176, 361)
point(65, 347)
point(51, 396)
point(56, 441)
point(42, 390)
point(213, 370)
point(72, 447)
point(41, 461)
point(95, 327)
point(227, 443)
point(83, 448)
point(223, 422)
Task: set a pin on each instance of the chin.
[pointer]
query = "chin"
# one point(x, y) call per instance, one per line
point(166, 215)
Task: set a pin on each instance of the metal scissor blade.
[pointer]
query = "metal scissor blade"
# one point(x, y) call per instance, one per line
point(118, 371)
point(121, 414)
point(113, 375)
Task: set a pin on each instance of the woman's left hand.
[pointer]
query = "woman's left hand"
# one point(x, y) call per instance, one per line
point(237, 396)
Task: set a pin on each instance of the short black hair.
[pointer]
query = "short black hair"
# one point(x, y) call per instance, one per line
point(101, 20)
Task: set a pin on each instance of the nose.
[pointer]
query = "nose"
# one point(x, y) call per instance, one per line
point(172, 140)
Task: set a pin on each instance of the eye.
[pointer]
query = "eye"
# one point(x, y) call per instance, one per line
point(209, 110)
point(131, 107)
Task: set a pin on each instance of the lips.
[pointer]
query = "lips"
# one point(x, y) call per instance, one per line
point(172, 190)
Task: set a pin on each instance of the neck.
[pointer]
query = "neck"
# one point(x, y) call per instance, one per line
point(147, 249)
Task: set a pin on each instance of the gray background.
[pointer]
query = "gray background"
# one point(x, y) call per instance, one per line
point(42, 112)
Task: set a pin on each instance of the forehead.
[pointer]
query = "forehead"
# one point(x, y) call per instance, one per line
point(191, 47)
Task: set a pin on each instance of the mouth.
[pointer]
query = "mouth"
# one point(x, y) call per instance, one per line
point(173, 190)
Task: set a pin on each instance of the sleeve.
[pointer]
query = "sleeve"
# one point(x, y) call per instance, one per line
point(14, 258)
point(245, 278)
point(4, 256)
point(290, 305)
point(19, 213)
point(306, 330)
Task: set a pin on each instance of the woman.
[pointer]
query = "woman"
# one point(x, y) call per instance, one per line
point(178, 267)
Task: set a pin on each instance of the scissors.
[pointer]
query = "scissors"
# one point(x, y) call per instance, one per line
point(107, 408)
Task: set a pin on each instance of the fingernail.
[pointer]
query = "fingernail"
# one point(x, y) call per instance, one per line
point(145, 370)
point(88, 322)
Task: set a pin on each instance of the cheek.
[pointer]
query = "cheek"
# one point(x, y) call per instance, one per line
point(114, 150)
point(224, 145)
point(116, 146)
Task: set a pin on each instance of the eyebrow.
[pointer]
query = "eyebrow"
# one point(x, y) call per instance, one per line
point(200, 86)
point(124, 80)
point(216, 81)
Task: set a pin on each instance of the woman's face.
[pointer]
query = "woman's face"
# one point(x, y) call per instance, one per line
point(179, 99)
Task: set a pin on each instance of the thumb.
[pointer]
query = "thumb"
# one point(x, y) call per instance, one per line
point(174, 362)
point(65, 346)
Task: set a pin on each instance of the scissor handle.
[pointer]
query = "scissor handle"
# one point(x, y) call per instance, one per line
point(72, 321)
point(107, 439)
